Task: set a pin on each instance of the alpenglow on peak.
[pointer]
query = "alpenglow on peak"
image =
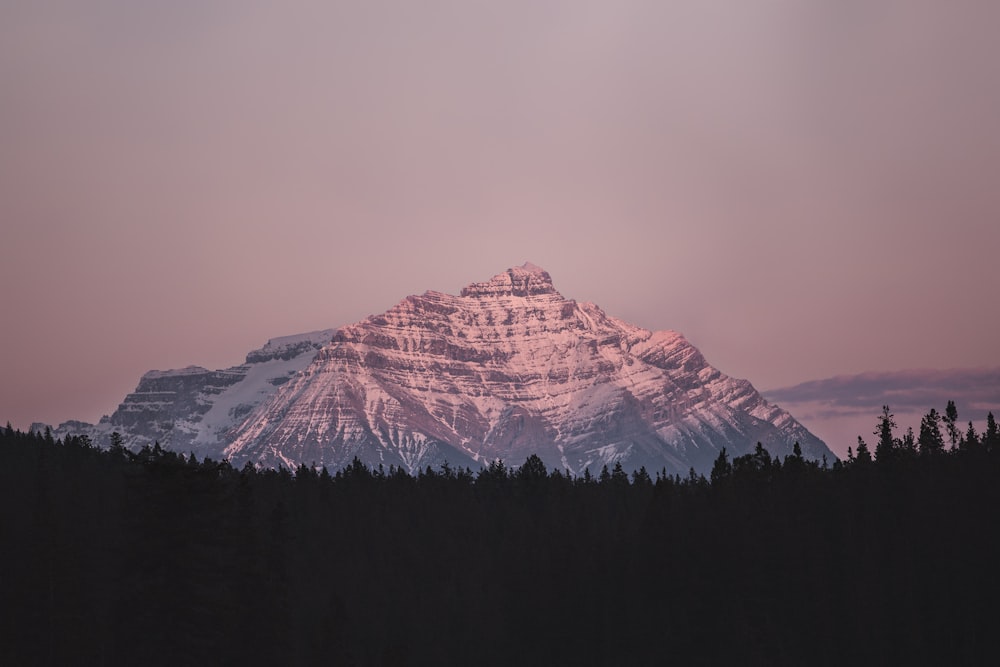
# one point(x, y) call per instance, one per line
point(524, 280)
point(506, 369)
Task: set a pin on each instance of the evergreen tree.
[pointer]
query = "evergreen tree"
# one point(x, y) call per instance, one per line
point(641, 478)
point(908, 445)
point(930, 441)
point(533, 470)
point(762, 457)
point(885, 448)
point(721, 469)
point(971, 440)
point(863, 456)
point(950, 419)
point(991, 438)
point(117, 448)
point(618, 475)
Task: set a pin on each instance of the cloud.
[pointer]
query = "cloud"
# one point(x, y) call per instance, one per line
point(974, 390)
point(839, 409)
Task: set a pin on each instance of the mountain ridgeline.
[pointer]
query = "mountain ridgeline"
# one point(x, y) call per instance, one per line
point(506, 369)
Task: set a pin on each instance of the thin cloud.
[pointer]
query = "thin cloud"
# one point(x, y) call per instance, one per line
point(974, 390)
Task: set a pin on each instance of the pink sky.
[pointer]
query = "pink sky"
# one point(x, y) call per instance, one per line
point(805, 189)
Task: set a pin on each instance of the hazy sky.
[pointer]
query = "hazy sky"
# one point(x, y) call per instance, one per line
point(804, 189)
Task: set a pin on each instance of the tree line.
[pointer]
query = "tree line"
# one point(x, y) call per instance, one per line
point(151, 557)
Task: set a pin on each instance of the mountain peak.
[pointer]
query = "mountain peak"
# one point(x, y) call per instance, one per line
point(507, 369)
point(525, 280)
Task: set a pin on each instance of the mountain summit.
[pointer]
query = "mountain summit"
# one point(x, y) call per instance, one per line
point(507, 369)
point(524, 280)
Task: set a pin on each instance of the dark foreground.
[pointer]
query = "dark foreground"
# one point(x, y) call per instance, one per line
point(114, 558)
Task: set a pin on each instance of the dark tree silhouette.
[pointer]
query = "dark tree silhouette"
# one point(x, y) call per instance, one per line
point(114, 557)
point(863, 455)
point(950, 421)
point(887, 446)
point(930, 441)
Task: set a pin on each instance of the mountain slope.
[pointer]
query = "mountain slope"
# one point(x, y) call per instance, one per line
point(506, 369)
point(194, 409)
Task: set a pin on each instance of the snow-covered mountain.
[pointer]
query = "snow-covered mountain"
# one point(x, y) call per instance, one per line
point(194, 409)
point(506, 369)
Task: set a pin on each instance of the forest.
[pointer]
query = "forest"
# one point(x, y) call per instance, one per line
point(114, 557)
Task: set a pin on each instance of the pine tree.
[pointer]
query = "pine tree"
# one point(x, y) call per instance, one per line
point(863, 456)
point(762, 457)
point(971, 440)
point(795, 461)
point(885, 448)
point(722, 468)
point(950, 419)
point(908, 445)
point(991, 439)
point(618, 475)
point(117, 448)
point(930, 441)
point(532, 469)
point(641, 478)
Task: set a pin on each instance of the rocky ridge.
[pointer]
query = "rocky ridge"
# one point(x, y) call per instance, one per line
point(506, 369)
point(193, 409)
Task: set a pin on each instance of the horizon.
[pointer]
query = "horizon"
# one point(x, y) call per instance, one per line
point(802, 192)
point(836, 409)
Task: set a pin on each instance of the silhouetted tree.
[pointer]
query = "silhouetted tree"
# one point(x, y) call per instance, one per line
point(721, 469)
point(863, 456)
point(886, 446)
point(950, 420)
point(618, 475)
point(532, 471)
point(991, 438)
point(158, 559)
point(930, 441)
point(641, 478)
point(971, 440)
point(117, 447)
point(908, 444)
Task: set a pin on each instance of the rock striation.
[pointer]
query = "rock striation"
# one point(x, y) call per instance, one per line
point(506, 369)
point(194, 409)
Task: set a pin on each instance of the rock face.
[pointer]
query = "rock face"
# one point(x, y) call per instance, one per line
point(194, 409)
point(506, 369)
